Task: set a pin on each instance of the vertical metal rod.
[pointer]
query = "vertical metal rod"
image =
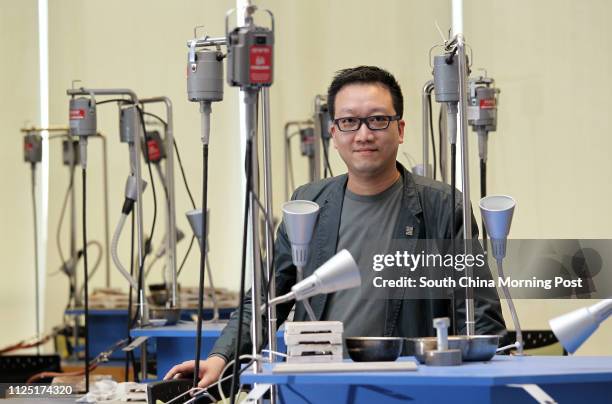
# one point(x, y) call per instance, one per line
point(427, 89)
point(250, 99)
point(73, 225)
point(465, 175)
point(106, 208)
point(267, 156)
point(171, 265)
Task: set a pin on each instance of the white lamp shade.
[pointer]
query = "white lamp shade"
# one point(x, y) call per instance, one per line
point(497, 211)
point(300, 218)
point(338, 273)
point(575, 327)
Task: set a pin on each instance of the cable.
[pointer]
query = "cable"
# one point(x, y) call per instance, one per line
point(433, 141)
point(483, 193)
point(325, 144)
point(245, 228)
point(453, 151)
point(84, 176)
point(35, 217)
point(96, 264)
point(123, 100)
point(202, 262)
point(178, 157)
point(186, 256)
point(182, 168)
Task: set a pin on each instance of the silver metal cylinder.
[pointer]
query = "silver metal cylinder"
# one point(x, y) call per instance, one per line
point(205, 76)
point(82, 117)
point(446, 78)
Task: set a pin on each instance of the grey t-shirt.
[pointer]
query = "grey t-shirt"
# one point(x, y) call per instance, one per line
point(366, 227)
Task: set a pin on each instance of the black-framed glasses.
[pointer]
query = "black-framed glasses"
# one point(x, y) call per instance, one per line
point(374, 122)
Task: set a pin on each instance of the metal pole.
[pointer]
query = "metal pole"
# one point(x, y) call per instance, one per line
point(465, 176)
point(250, 100)
point(171, 203)
point(427, 89)
point(267, 156)
point(143, 307)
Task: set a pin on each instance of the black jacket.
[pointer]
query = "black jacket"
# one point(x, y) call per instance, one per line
point(424, 207)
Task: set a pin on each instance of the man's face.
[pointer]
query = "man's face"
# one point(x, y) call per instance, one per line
point(367, 152)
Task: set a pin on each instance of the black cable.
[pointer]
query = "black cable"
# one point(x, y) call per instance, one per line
point(186, 256)
point(483, 193)
point(152, 232)
point(325, 144)
point(202, 265)
point(178, 157)
point(86, 283)
point(182, 168)
point(433, 141)
point(164, 123)
point(245, 228)
point(453, 152)
point(35, 218)
point(123, 100)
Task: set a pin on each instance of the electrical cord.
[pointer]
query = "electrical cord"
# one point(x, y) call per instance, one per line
point(182, 169)
point(433, 141)
point(247, 207)
point(483, 193)
point(325, 145)
point(85, 281)
point(202, 262)
point(453, 152)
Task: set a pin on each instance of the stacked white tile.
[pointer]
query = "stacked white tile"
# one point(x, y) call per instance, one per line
point(314, 341)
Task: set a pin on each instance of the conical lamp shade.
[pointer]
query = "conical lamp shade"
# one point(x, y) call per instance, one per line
point(573, 328)
point(497, 213)
point(338, 273)
point(300, 218)
point(195, 221)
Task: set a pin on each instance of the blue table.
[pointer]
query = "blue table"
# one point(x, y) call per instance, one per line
point(175, 344)
point(108, 326)
point(566, 379)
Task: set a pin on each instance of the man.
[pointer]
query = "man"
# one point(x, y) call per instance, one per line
point(377, 203)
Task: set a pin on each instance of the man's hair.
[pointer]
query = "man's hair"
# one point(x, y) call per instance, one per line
point(365, 75)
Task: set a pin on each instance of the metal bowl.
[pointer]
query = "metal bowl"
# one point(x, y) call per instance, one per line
point(474, 348)
point(481, 347)
point(171, 315)
point(421, 345)
point(374, 349)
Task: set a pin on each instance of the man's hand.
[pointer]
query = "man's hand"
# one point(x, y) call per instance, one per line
point(210, 370)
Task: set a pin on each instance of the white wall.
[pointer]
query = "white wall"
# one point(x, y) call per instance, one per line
point(19, 103)
point(549, 59)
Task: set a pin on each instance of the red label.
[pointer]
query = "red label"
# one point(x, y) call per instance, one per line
point(77, 114)
point(260, 70)
point(28, 146)
point(487, 103)
point(153, 150)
